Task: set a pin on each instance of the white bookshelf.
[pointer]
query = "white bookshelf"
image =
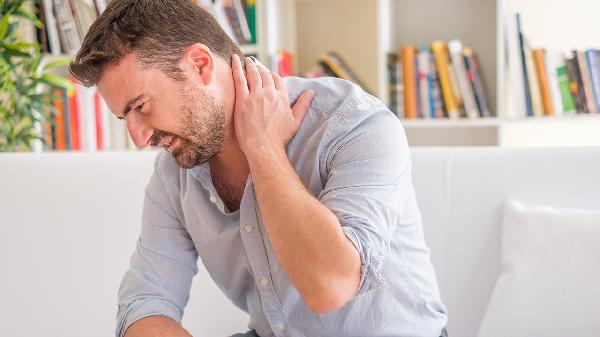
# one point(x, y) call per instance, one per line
point(363, 32)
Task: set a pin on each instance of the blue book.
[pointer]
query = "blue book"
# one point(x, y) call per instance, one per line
point(593, 60)
point(528, 102)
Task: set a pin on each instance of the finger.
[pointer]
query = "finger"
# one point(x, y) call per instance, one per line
point(301, 106)
point(239, 78)
point(278, 82)
point(252, 75)
point(265, 76)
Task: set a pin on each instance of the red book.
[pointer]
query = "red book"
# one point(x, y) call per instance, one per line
point(99, 126)
point(75, 112)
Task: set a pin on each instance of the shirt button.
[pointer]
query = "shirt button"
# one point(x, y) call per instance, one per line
point(264, 281)
point(213, 199)
point(280, 326)
point(248, 228)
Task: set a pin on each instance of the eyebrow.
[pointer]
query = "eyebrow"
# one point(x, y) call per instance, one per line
point(130, 103)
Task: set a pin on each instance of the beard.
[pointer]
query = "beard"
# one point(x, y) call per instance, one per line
point(202, 125)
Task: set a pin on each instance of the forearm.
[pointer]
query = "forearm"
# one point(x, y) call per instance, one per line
point(306, 236)
point(156, 326)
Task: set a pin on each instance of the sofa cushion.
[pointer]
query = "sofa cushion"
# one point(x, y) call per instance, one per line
point(550, 276)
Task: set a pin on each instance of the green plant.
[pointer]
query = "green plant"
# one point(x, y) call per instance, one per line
point(23, 105)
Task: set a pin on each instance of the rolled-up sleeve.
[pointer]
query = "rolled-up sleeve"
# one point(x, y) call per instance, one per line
point(163, 264)
point(367, 185)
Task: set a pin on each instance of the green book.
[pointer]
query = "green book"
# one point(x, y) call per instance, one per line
point(565, 90)
point(251, 17)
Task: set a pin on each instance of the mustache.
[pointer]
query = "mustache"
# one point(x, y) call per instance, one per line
point(157, 136)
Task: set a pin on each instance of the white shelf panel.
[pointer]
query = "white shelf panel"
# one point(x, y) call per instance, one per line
point(451, 123)
point(250, 49)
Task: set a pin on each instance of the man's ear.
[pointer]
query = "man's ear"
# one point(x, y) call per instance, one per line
point(200, 59)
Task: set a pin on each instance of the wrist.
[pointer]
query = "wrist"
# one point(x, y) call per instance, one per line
point(264, 152)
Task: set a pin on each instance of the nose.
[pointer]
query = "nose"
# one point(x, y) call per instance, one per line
point(139, 132)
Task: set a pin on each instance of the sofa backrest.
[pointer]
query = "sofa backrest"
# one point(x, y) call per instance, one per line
point(69, 223)
point(461, 192)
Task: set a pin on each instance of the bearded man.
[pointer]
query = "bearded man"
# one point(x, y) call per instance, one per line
point(296, 193)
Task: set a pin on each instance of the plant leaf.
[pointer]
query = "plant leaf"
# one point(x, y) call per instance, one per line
point(55, 80)
point(61, 62)
point(4, 26)
point(21, 11)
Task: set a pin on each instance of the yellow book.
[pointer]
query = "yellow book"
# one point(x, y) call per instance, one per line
point(442, 64)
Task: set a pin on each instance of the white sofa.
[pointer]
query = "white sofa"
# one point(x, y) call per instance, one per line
point(69, 222)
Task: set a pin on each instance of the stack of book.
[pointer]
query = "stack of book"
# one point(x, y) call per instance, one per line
point(438, 81)
point(65, 22)
point(547, 83)
point(82, 122)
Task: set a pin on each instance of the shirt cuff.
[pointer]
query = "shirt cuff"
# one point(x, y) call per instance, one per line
point(131, 312)
point(370, 275)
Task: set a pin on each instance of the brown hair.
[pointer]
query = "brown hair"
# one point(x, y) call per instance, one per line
point(157, 31)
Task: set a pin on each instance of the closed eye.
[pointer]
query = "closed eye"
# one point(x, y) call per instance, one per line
point(137, 108)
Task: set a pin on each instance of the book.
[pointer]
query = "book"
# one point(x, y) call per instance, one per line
point(339, 68)
point(565, 90)
point(555, 60)
point(593, 59)
point(441, 61)
point(408, 59)
point(75, 111)
point(392, 64)
point(98, 121)
point(456, 54)
point(575, 84)
point(475, 77)
point(436, 93)
point(59, 121)
point(51, 28)
point(534, 84)
point(251, 17)
point(525, 67)
point(539, 59)
point(424, 82)
point(586, 81)
point(69, 36)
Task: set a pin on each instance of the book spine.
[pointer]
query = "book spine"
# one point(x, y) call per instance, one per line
point(392, 61)
point(410, 86)
point(59, 106)
point(586, 81)
point(436, 93)
point(565, 90)
point(575, 85)
point(441, 61)
point(423, 75)
point(98, 119)
point(524, 63)
point(554, 61)
point(593, 58)
point(75, 111)
point(472, 64)
point(251, 16)
point(399, 89)
point(66, 26)
point(51, 28)
point(534, 84)
point(458, 62)
point(539, 59)
point(66, 119)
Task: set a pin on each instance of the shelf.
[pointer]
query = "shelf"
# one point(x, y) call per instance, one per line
point(250, 49)
point(451, 123)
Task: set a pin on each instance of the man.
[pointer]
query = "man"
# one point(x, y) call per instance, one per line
point(304, 214)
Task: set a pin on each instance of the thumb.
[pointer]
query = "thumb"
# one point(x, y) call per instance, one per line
point(300, 108)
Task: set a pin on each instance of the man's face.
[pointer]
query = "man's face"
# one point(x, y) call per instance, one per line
point(159, 111)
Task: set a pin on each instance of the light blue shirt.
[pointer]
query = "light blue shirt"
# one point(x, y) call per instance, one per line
point(352, 155)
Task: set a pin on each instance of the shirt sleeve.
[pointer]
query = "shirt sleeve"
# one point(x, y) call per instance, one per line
point(368, 183)
point(163, 264)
